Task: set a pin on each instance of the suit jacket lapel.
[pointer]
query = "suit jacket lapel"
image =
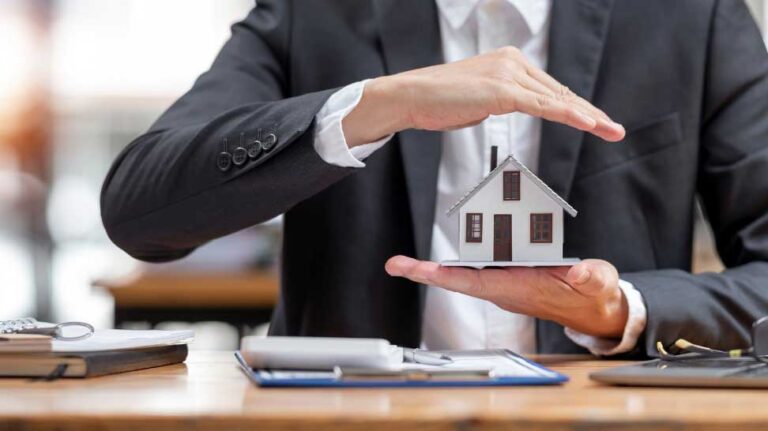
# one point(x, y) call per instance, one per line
point(577, 35)
point(576, 39)
point(410, 38)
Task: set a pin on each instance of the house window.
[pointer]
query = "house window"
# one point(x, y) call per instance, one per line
point(541, 228)
point(474, 227)
point(512, 186)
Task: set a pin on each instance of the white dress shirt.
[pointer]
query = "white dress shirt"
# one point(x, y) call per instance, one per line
point(453, 320)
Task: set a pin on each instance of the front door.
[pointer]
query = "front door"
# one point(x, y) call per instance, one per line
point(502, 237)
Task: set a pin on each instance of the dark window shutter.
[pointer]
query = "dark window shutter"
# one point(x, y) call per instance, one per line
point(474, 227)
point(512, 186)
point(541, 228)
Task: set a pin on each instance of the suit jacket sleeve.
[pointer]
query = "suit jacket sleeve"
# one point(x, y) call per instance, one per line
point(717, 310)
point(165, 194)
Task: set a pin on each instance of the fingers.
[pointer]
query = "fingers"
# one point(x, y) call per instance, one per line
point(578, 274)
point(566, 111)
point(577, 297)
point(562, 93)
point(606, 127)
point(552, 109)
point(591, 276)
point(491, 284)
point(542, 83)
point(462, 280)
point(565, 95)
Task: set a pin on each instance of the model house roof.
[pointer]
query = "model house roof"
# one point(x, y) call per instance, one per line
point(527, 172)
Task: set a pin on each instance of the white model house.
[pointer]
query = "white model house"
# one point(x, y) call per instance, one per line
point(511, 217)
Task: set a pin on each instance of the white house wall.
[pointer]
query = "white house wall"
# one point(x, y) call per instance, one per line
point(488, 201)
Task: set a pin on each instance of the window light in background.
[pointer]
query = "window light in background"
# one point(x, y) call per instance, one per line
point(137, 48)
point(23, 73)
point(115, 67)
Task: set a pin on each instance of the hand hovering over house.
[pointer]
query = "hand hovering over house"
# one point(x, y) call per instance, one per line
point(464, 93)
point(585, 297)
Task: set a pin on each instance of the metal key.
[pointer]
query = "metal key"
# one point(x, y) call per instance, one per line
point(29, 325)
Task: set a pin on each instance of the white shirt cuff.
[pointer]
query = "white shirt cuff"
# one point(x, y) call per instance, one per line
point(330, 143)
point(635, 326)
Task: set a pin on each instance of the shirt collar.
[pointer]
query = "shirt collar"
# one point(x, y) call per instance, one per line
point(534, 12)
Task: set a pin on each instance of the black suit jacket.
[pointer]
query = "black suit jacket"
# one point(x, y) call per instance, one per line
point(688, 78)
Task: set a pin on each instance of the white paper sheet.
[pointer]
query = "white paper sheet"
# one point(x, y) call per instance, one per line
point(119, 339)
point(498, 362)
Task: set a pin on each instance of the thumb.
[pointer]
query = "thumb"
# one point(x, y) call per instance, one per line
point(591, 275)
point(578, 274)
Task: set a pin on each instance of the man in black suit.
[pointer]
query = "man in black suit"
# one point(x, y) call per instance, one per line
point(688, 79)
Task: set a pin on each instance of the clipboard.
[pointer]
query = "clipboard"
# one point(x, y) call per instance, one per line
point(531, 374)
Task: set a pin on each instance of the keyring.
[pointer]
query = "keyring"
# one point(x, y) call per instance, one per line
point(57, 331)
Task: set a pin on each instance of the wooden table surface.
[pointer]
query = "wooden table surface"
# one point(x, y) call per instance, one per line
point(210, 393)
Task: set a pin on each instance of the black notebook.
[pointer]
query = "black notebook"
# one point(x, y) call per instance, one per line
point(88, 364)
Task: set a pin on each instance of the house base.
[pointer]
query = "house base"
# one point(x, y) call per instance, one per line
point(568, 261)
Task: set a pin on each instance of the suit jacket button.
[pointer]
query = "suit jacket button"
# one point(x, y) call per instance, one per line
point(254, 149)
point(269, 142)
point(224, 161)
point(239, 156)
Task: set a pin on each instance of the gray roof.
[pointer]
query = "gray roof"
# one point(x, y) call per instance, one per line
point(527, 172)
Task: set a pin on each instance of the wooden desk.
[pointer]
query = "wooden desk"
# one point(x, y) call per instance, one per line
point(210, 393)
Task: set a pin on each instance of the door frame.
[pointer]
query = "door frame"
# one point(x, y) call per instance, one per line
point(502, 220)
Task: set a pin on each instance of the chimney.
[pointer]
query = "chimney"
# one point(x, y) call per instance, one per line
point(494, 157)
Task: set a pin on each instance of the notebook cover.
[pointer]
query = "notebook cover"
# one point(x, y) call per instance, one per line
point(332, 382)
point(24, 343)
point(107, 362)
point(121, 361)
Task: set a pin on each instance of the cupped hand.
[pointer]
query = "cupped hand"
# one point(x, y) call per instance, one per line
point(585, 297)
point(466, 92)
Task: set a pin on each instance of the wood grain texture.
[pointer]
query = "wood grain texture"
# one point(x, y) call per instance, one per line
point(210, 393)
point(247, 289)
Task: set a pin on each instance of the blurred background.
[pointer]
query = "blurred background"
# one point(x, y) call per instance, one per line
point(79, 79)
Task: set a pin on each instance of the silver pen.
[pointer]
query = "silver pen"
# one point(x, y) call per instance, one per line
point(424, 357)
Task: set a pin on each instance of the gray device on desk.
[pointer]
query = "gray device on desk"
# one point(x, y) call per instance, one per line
point(700, 372)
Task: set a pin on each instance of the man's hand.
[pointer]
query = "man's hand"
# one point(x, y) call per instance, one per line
point(585, 297)
point(464, 93)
